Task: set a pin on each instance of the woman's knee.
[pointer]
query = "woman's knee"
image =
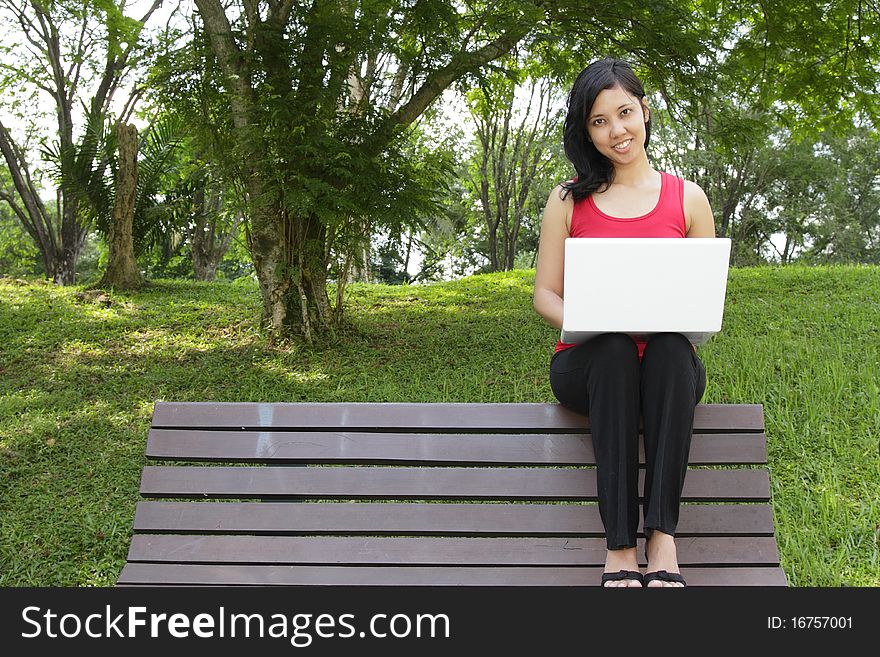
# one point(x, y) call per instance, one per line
point(669, 361)
point(670, 345)
point(617, 348)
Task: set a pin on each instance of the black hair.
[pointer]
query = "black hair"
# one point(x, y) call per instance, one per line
point(594, 170)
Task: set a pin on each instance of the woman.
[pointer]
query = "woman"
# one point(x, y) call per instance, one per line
point(613, 378)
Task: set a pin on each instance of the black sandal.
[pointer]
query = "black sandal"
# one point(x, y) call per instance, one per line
point(622, 574)
point(663, 576)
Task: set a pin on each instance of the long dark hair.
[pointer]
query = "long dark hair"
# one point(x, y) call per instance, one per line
point(594, 170)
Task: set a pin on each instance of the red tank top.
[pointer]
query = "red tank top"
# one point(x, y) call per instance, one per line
point(665, 220)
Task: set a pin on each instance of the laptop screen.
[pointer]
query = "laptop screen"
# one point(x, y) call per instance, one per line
point(641, 286)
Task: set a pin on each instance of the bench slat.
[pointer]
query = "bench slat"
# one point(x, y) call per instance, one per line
point(492, 418)
point(323, 550)
point(328, 447)
point(429, 519)
point(188, 575)
point(426, 483)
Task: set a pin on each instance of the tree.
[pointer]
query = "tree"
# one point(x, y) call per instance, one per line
point(320, 96)
point(207, 213)
point(210, 236)
point(59, 53)
point(845, 224)
point(732, 152)
point(512, 153)
point(205, 198)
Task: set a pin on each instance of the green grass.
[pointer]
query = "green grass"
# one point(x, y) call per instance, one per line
point(78, 381)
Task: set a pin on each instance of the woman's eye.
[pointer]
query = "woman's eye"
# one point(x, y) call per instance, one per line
point(598, 121)
point(626, 111)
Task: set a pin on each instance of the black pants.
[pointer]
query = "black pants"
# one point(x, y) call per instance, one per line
point(604, 379)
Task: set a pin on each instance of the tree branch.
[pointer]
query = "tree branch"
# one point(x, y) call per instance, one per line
point(25, 75)
point(21, 214)
point(27, 26)
point(31, 200)
point(282, 13)
point(440, 79)
point(156, 4)
point(220, 35)
point(76, 65)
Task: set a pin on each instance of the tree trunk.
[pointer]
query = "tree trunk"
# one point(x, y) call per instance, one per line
point(292, 273)
point(34, 217)
point(409, 244)
point(73, 236)
point(122, 270)
point(361, 271)
point(204, 266)
point(210, 240)
point(201, 241)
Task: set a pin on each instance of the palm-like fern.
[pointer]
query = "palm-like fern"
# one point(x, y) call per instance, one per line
point(87, 172)
point(80, 170)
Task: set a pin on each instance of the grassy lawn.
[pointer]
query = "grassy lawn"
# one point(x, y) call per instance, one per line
point(78, 381)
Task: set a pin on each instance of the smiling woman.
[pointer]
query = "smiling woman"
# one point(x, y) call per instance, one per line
point(613, 378)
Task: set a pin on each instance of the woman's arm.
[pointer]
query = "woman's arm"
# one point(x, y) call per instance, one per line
point(698, 214)
point(697, 211)
point(547, 297)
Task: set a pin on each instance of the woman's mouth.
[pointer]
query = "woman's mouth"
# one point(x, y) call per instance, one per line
point(623, 146)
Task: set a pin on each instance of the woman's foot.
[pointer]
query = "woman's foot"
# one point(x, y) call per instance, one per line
point(660, 550)
point(625, 559)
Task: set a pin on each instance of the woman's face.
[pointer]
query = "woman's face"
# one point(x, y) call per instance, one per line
point(616, 125)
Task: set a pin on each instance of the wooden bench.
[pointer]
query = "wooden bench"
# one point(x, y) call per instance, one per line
point(365, 508)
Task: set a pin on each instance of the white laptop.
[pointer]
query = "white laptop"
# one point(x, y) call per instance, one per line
point(641, 286)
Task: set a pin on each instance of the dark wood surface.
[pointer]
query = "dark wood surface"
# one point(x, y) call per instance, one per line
point(426, 483)
point(429, 519)
point(399, 417)
point(330, 447)
point(489, 494)
point(334, 550)
point(241, 575)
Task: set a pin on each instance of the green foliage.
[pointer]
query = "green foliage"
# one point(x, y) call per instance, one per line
point(817, 197)
point(814, 63)
point(772, 107)
point(92, 259)
point(156, 169)
point(313, 108)
point(121, 29)
point(454, 236)
point(845, 225)
point(389, 263)
point(517, 146)
point(171, 259)
point(79, 381)
point(236, 263)
point(18, 255)
point(80, 169)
